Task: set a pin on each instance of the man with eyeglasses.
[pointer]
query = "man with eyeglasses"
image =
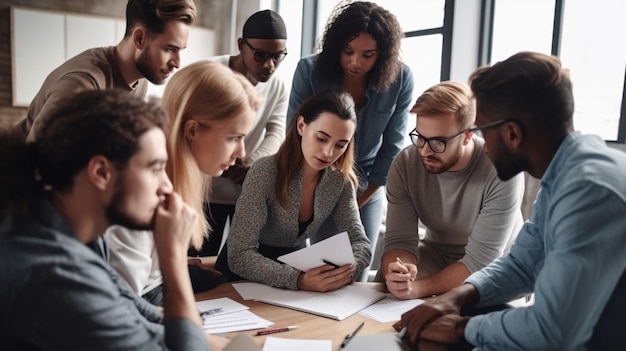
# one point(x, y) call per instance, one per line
point(572, 250)
point(262, 48)
point(445, 181)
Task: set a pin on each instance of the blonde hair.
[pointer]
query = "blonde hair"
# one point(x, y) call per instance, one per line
point(446, 97)
point(209, 93)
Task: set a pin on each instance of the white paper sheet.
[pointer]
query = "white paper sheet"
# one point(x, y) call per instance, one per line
point(338, 304)
point(236, 321)
point(281, 344)
point(253, 291)
point(223, 305)
point(389, 309)
point(336, 249)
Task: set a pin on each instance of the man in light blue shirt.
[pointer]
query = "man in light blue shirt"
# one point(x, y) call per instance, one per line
point(571, 252)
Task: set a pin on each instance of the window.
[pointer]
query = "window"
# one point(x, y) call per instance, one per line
point(587, 36)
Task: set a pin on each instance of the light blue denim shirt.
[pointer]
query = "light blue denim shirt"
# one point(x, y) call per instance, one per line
point(571, 253)
point(381, 123)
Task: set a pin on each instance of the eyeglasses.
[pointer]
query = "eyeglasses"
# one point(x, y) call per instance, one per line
point(438, 145)
point(478, 130)
point(261, 56)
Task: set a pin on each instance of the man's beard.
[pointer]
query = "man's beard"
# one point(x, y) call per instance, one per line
point(506, 164)
point(443, 165)
point(116, 215)
point(144, 65)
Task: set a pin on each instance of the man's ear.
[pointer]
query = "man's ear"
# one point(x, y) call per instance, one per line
point(100, 172)
point(512, 134)
point(240, 44)
point(191, 129)
point(300, 125)
point(467, 137)
point(140, 37)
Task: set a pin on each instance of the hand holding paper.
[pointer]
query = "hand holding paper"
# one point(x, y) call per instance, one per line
point(336, 249)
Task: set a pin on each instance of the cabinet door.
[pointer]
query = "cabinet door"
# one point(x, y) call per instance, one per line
point(37, 48)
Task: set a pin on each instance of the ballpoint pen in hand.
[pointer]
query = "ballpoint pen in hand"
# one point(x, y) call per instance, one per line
point(330, 263)
point(350, 336)
point(405, 266)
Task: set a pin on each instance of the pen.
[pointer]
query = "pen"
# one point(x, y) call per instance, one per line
point(402, 263)
point(278, 330)
point(350, 336)
point(330, 263)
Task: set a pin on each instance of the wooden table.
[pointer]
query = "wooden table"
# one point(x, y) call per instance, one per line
point(310, 326)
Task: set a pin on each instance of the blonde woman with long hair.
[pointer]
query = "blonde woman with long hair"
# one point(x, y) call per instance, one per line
point(286, 198)
point(211, 109)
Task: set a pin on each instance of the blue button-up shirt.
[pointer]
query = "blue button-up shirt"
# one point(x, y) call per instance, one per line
point(571, 253)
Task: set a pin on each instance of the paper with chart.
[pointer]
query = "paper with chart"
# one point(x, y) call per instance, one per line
point(336, 249)
point(338, 304)
point(225, 315)
point(219, 306)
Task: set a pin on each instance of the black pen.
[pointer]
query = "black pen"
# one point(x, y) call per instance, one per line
point(350, 336)
point(330, 263)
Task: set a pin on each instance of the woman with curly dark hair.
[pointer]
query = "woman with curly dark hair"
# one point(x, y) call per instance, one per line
point(360, 53)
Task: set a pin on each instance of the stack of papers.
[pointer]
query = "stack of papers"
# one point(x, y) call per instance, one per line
point(338, 304)
point(225, 315)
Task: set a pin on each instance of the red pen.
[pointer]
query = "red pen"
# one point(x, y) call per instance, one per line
point(278, 330)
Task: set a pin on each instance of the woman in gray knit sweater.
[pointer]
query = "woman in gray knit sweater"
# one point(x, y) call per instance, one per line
point(286, 198)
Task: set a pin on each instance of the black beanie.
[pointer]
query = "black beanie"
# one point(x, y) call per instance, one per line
point(265, 24)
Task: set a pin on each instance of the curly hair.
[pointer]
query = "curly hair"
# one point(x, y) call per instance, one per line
point(88, 123)
point(347, 22)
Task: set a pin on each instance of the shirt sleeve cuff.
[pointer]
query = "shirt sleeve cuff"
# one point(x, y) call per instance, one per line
point(471, 330)
point(183, 334)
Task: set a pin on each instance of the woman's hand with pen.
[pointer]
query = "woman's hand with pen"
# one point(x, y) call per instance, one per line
point(400, 278)
point(326, 278)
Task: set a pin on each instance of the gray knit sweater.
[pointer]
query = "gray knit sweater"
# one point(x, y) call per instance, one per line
point(259, 218)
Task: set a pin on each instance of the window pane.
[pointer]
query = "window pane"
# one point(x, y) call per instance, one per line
point(521, 26)
point(416, 15)
point(293, 23)
point(423, 55)
point(593, 49)
point(412, 16)
point(324, 9)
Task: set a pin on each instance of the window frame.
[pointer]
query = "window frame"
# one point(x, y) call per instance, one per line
point(486, 44)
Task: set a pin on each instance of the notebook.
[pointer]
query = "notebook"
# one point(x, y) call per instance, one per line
point(338, 304)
